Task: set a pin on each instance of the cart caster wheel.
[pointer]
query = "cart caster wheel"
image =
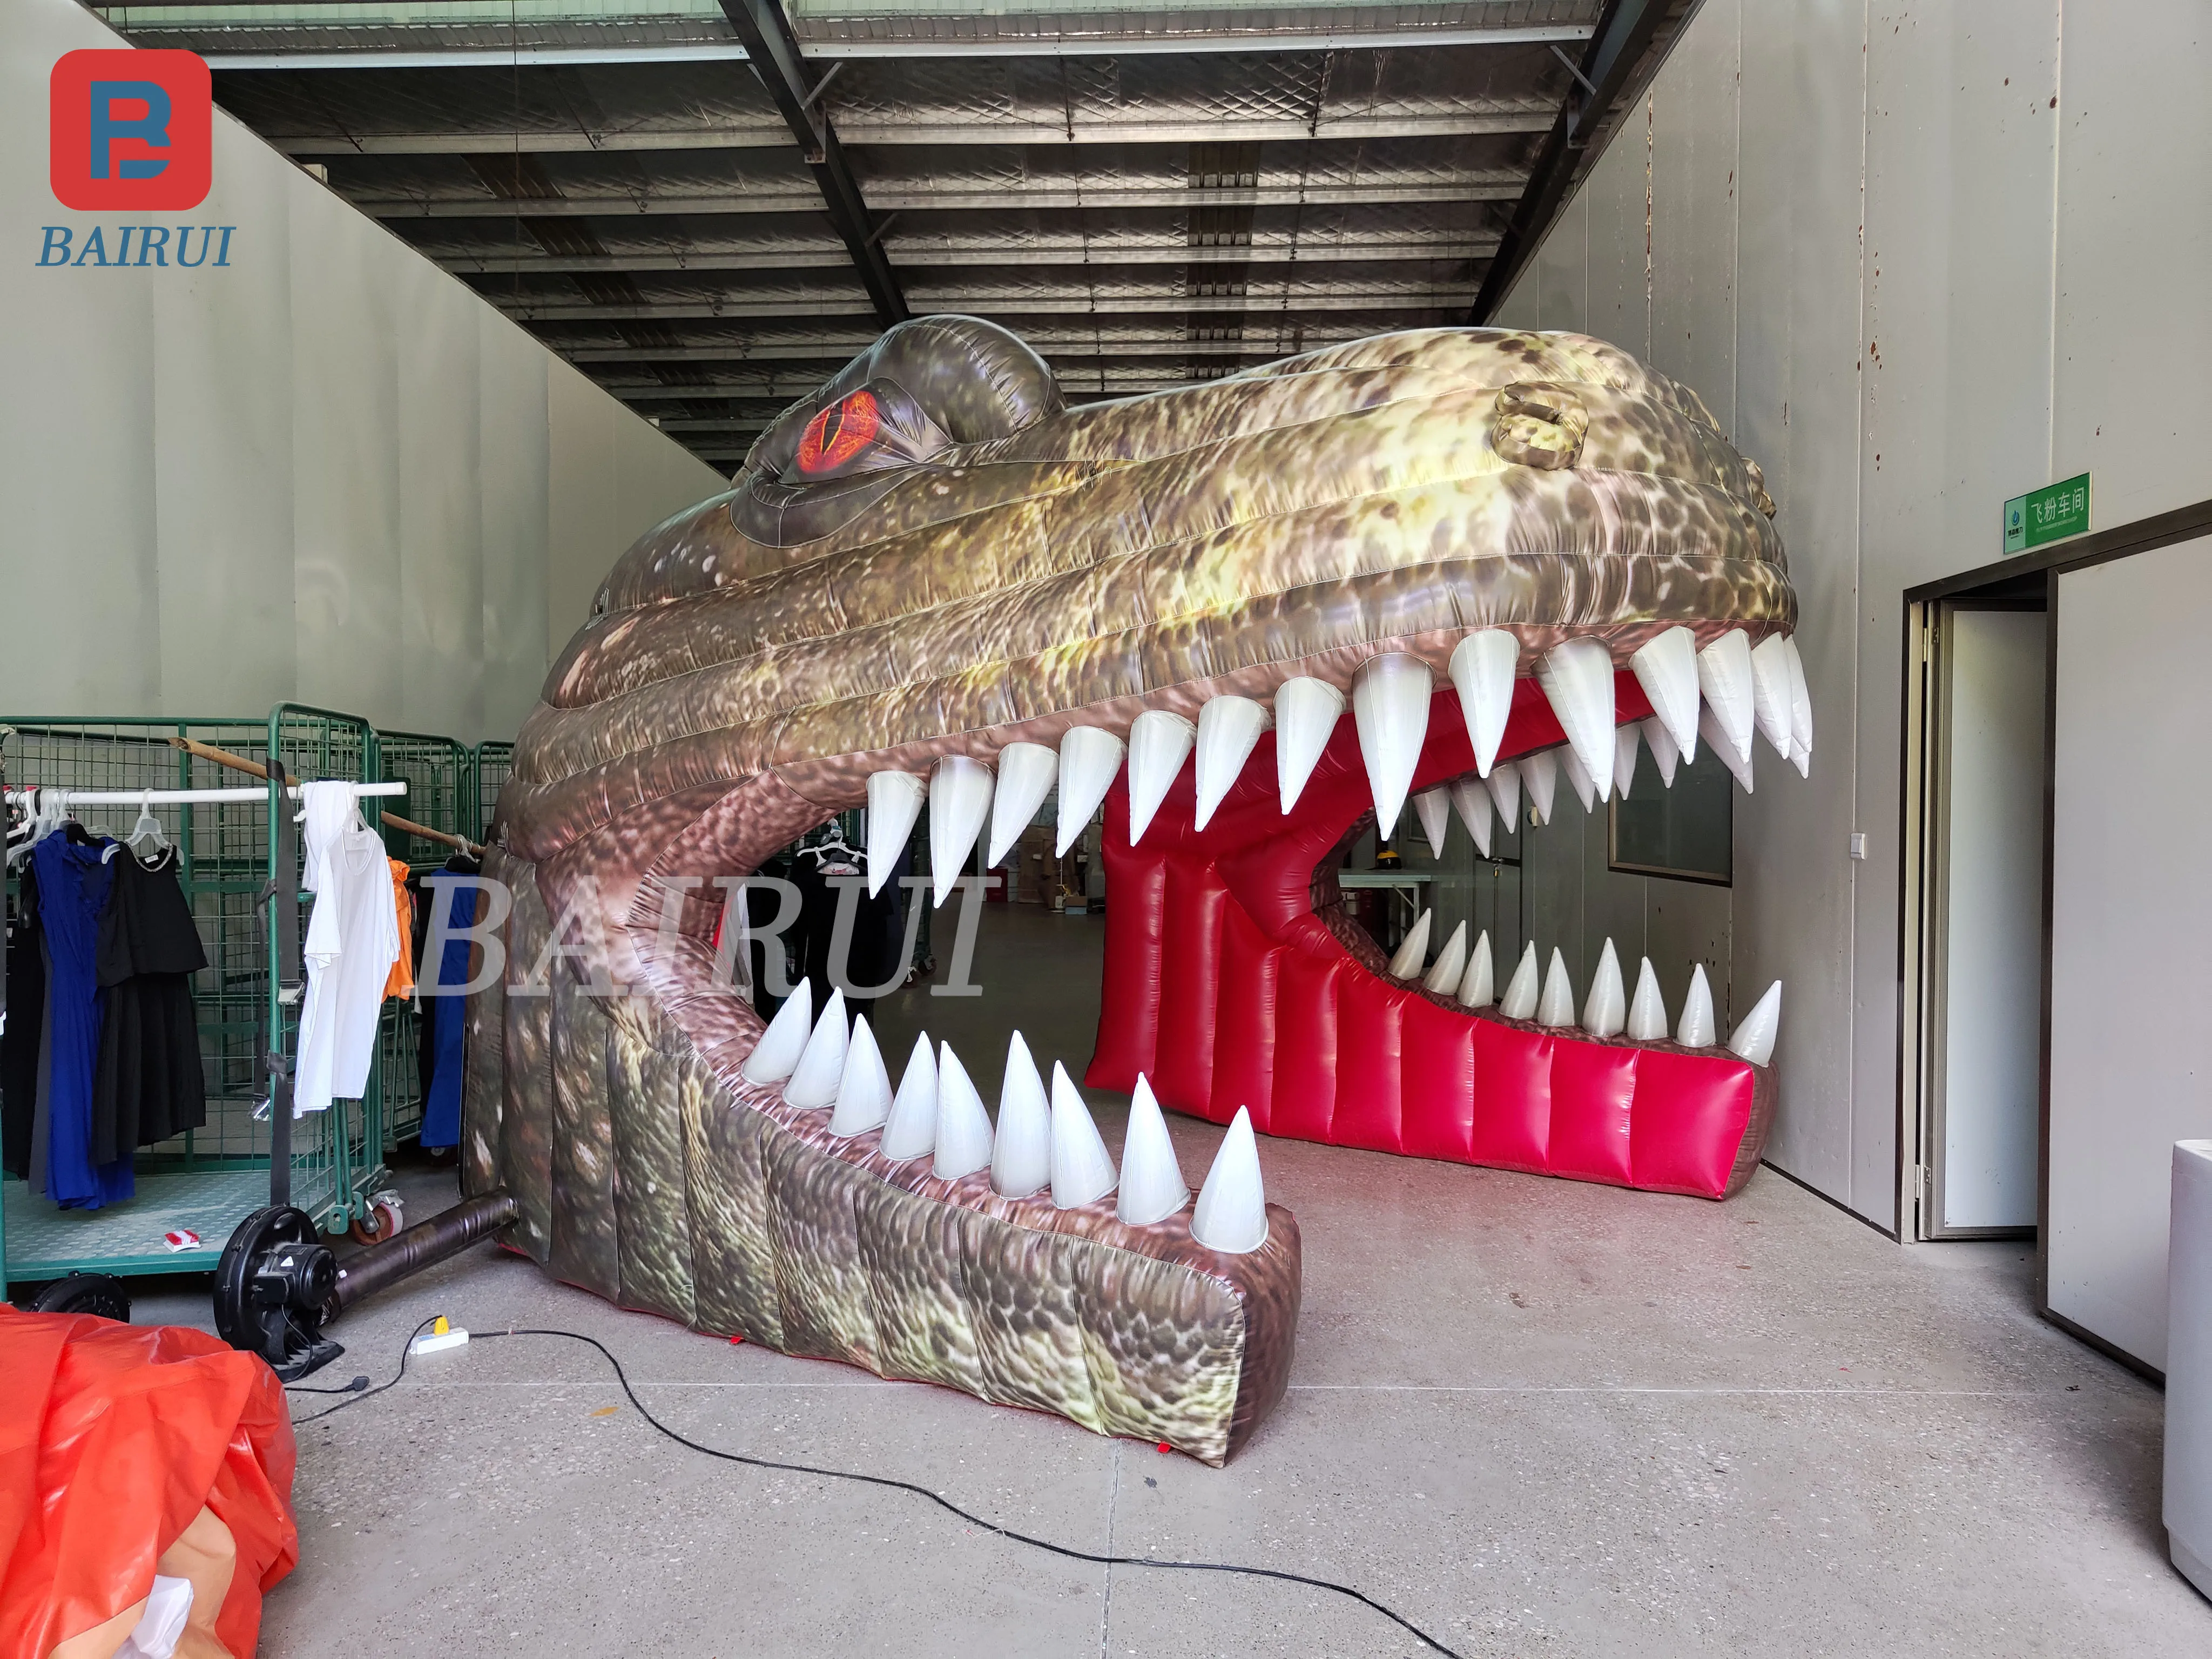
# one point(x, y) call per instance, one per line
point(85, 1293)
point(385, 1219)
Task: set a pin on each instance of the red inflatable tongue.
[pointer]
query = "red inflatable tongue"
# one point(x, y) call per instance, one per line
point(1226, 989)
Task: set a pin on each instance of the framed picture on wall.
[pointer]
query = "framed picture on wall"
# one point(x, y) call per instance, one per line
point(1686, 833)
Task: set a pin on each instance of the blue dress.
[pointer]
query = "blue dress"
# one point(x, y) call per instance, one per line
point(74, 882)
point(441, 1112)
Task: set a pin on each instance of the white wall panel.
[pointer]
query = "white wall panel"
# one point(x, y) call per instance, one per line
point(583, 509)
point(441, 557)
point(512, 447)
point(1935, 291)
point(2132, 324)
point(2131, 914)
point(76, 428)
point(309, 474)
point(346, 454)
point(221, 461)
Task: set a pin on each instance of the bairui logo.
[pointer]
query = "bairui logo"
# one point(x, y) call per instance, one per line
point(130, 132)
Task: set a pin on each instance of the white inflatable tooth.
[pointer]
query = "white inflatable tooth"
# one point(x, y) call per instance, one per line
point(1153, 1186)
point(1433, 808)
point(1159, 742)
point(1624, 759)
point(1471, 798)
point(1556, 1006)
point(1576, 676)
point(1477, 986)
point(1227, 730)
point(775, 1056)
point(821, 1068)
point(959, 802)
point(1716, 739)
point(1082, 1168)
point(1577, 780)
point(1026, 772)
point(1090, 756)
point(1232, 1205)
point(1695, 1029)
point(864, 1087)
point(1021, 1160)
point(1666, 666)
point(1443, 975)
point(1482, 667)
point(1520, 999)
point(1605, 1010)
point(1647, 1008)
point(1390, 705)
point(1306, 714)
point(1540, 773)
point(910, 1131)
point(1412, 951)
point(963, 1127)
point(1503, 784)
point(1661, 742)
point(894, 803)
point(1724, 680)
point(1800, 710)
point(1770, 690)
point(1754, 1038)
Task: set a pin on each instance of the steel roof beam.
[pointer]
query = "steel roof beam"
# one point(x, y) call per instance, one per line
point(910, 200)
point(1255, 306)
point(1191, 129)
point(921, 254)
point(1252, 42)
point(1625, 33)
point(773, 49)
point(1054, 346)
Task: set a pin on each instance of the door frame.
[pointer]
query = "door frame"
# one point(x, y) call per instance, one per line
point(2019, 576)
point(1927, 846)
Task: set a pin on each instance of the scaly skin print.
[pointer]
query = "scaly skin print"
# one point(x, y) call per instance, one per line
point(933, 560)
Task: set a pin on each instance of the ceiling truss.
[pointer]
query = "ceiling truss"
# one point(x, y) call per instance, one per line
point(710, 208)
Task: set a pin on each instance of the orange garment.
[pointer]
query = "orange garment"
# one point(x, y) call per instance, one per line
point(400, 982)
point(124, 1448)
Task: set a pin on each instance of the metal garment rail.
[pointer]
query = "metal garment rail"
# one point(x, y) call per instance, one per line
point(177, 797)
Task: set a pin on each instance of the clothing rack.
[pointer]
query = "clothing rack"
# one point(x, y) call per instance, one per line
point(185, 796)
point(237, 860)
point(391, 820)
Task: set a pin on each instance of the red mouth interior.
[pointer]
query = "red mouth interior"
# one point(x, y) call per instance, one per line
point(1226, 989)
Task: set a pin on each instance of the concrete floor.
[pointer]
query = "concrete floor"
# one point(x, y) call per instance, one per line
point(1534, 1416)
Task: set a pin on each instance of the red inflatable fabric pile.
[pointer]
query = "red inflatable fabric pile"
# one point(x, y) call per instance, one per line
point(126, 1450)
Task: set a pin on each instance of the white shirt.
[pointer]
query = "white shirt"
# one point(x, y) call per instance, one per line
point(353, 940)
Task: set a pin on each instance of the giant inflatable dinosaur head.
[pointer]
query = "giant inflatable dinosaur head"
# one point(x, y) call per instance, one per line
point(1423, 560)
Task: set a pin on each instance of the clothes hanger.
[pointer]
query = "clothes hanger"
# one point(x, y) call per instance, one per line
point(148, 828)
point(52, 814)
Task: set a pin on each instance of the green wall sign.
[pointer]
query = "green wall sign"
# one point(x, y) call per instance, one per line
point(2049, 514)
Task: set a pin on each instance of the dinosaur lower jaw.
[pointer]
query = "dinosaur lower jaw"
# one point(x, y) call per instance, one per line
point(1236, 977)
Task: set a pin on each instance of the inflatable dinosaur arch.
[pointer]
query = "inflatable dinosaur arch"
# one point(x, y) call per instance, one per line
point(1247, 615)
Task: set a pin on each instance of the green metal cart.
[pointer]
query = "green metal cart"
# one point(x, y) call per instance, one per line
point(207, 1181)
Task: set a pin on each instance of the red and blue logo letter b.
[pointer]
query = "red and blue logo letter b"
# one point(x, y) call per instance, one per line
point(132, 131)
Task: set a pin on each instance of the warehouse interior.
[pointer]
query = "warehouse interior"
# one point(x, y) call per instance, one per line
point(517, 305)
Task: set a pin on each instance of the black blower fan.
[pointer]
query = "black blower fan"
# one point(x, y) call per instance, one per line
point(272, 1289)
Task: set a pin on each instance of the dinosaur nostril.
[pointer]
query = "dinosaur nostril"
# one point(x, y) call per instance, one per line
point(1540, 426)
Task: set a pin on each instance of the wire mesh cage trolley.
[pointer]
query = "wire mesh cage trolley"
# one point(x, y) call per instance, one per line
point(227, 840)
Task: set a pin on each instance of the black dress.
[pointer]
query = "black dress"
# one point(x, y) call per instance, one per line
point(149, 1085)
point(27, 1008)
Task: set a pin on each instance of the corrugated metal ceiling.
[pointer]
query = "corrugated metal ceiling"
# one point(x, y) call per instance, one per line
point(1149, 195)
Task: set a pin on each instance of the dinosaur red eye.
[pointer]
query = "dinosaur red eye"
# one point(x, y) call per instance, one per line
point(838, 433)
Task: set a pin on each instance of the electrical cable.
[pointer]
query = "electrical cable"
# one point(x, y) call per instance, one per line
point(358, 1387)
point(355, 1387)
point(948, 1505)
